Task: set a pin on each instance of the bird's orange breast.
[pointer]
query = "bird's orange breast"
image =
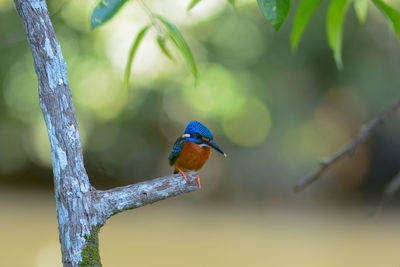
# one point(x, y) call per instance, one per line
point(192, 156)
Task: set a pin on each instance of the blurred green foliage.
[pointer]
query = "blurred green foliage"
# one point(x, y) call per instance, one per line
point(274, 11)
point(303, 15)
point(392, 15)
point(334, 27)
point(274, 113)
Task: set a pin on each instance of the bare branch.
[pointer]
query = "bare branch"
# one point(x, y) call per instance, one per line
point(349, 150)
point(390, 190)
point(118, 199)
point(393, 187)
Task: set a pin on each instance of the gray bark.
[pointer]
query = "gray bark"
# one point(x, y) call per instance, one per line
point(81, 209)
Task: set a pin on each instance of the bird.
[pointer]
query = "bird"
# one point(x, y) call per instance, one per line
point(192, 149)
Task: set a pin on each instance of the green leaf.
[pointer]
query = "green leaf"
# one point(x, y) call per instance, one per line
point(105, 10)
point(303, 15)
point(334, 28)
point(361, 7)
point(192, 4)
point(232, 2)
point(275, 11)
point(132, 52)
point(392, 15)
point(162, 43)
point(177, 39)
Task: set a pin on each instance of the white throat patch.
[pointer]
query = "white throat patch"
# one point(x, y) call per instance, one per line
point(201, 145)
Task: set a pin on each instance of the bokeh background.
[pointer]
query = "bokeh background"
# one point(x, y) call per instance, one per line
point(273, 112)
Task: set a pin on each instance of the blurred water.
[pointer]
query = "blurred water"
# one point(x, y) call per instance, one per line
point(174, 233)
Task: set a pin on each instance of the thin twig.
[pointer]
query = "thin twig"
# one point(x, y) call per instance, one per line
point(152, 17)
point(349, 150)
point(390, 190)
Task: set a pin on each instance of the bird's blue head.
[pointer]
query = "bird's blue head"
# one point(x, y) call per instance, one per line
point(195, 128)
point(198, 133)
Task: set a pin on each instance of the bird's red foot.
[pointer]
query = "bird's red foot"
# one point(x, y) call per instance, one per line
point(183, 174)
point(198, 181)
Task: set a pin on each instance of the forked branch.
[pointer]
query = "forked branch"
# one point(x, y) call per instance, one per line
point(81, 209)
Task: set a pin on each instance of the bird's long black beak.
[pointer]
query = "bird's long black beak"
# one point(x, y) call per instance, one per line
point(214, 145)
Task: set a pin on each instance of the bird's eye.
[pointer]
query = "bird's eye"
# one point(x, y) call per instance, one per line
point(198, 136)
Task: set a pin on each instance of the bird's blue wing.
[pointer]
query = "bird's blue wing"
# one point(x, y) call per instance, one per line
point(176, 149)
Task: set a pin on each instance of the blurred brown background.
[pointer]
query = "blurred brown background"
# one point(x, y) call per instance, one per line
point(274, 113)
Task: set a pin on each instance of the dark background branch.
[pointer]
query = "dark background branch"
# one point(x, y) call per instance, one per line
point(349, 150)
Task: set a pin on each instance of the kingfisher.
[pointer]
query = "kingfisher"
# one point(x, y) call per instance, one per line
point(192, 149)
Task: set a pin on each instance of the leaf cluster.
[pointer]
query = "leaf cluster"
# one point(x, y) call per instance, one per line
point(167, 32)
point(335, 21)
point(274, 11)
